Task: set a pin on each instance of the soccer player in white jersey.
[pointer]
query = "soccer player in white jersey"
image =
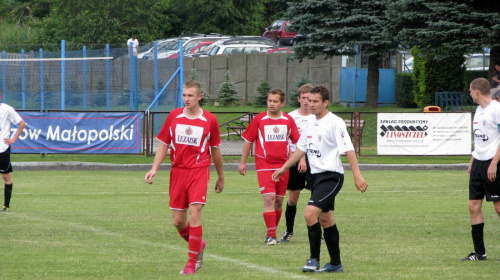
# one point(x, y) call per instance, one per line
point(299, 174)
point(7, 116)
point(324, 140)
point(271, 130)
point(483, 168)
point(192, 134)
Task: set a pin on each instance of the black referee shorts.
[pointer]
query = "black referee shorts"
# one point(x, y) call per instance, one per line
point(326, 186)
point(5, 165)
point(479, 185)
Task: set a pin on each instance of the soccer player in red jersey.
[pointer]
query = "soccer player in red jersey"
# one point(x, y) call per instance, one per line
point(192, 134)
point(271, 130)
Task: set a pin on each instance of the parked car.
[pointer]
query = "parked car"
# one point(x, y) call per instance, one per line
point(254, 40)
point(278, 50)
point(171, 46)
point(200, 47)
point(281, 33)
point(299, 38)
point(473, 62)
point(238, 49)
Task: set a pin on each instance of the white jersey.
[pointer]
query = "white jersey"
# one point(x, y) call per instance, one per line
point(486, 126)
point(301, 122)
point(7, 116)
point(324, 140)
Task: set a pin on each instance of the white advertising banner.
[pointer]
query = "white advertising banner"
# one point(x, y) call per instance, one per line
point(424, 133)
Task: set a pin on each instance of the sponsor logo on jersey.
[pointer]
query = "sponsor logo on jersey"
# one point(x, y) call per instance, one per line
point(276, 133)
point(313, 150)
point(480, 135)
point(188, 134)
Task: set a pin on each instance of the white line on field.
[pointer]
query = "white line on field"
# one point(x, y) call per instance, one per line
point(153, 244)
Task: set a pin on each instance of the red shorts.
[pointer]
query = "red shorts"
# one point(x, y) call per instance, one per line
point(267, 185)
point(188, 186)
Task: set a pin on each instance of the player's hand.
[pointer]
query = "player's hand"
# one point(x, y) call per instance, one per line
point(492, 172)
point(242, 168)
point(219, 185)
point(9, 141)
point(149, 177)
point(302, 166)
point(360, 183)
point(277, 174)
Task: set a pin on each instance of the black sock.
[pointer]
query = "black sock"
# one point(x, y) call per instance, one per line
point(477, 238)
point(332, 239)
point(314, 233)
point(290, 213)
point(7, 194)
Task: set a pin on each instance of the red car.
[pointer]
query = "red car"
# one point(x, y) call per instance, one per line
point(281, 33)
point(199, 47)
point(278, 50)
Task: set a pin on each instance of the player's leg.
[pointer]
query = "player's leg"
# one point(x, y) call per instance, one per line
point(311, 214)
point(290, 213)
point(7, 191)
point(332, 240)
point(496, 204)
point(268, 191)
point(281, 186)
point(477, 192)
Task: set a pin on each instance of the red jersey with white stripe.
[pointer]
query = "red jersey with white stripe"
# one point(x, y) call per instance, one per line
point(271, 136)
point(190, 139)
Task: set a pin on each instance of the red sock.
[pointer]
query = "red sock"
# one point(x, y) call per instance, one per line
point(195, 235)
point(270, 220)
point(185, 233)
point(278, 216)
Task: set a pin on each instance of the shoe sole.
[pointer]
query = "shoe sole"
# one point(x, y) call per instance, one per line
point(308, 269)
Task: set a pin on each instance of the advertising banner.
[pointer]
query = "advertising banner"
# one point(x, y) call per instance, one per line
point(424, 134)
point(87, 133)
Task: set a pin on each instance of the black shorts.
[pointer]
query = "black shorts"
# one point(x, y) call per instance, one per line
point(298, 181)
point(326, 186)
point(5, 165)
point(479, 185)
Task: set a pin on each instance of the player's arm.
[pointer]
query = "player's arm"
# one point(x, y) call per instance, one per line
point(492, 169)
point(20, 128)
point(359, 181)
point(218, 163)
point(296, 156)
point(470, 165)
point(247, 146)
point(495, 78)
point(302, 166)
point(161, 153)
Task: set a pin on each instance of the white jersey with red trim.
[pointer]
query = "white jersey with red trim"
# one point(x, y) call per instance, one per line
point(301, 122)
point(486, 128)
point(324, 141)
point(271, 136)
point(7, 116)
point(190, 139)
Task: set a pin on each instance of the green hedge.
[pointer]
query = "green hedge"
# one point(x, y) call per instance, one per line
point(404, 94)
point(437, 72)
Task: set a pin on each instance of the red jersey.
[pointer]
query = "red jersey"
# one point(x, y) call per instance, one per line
point(190, 139)
point(272, 135)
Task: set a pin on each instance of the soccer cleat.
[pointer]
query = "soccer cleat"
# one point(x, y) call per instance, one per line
point(330, 268)
point(5, 209)
point(474, 257)
point(199, 259)
point(189, 269)
point(311, 265)
point(286, 236)
point(271, 240)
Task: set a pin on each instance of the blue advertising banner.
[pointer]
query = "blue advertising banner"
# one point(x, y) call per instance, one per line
point(87, 133)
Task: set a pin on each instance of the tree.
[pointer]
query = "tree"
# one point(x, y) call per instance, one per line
point(228, 96)
point(336, 27)
point(446, 27)
point(235, 17)
point(263, 89)
point(102, 22)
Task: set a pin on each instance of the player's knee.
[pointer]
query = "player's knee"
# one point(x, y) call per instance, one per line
point(474, 207)
point(497, 208)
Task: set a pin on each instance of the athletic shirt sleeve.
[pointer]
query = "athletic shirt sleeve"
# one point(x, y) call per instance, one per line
point(252, 131)
point(342, 137)
point(214, 132)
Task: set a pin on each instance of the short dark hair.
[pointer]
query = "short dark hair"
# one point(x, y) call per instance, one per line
point(278, 91)
point(325, 94)
point(305, 89)
point(482, 85)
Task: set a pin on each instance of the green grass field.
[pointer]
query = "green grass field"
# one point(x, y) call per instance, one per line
point(112, 225)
